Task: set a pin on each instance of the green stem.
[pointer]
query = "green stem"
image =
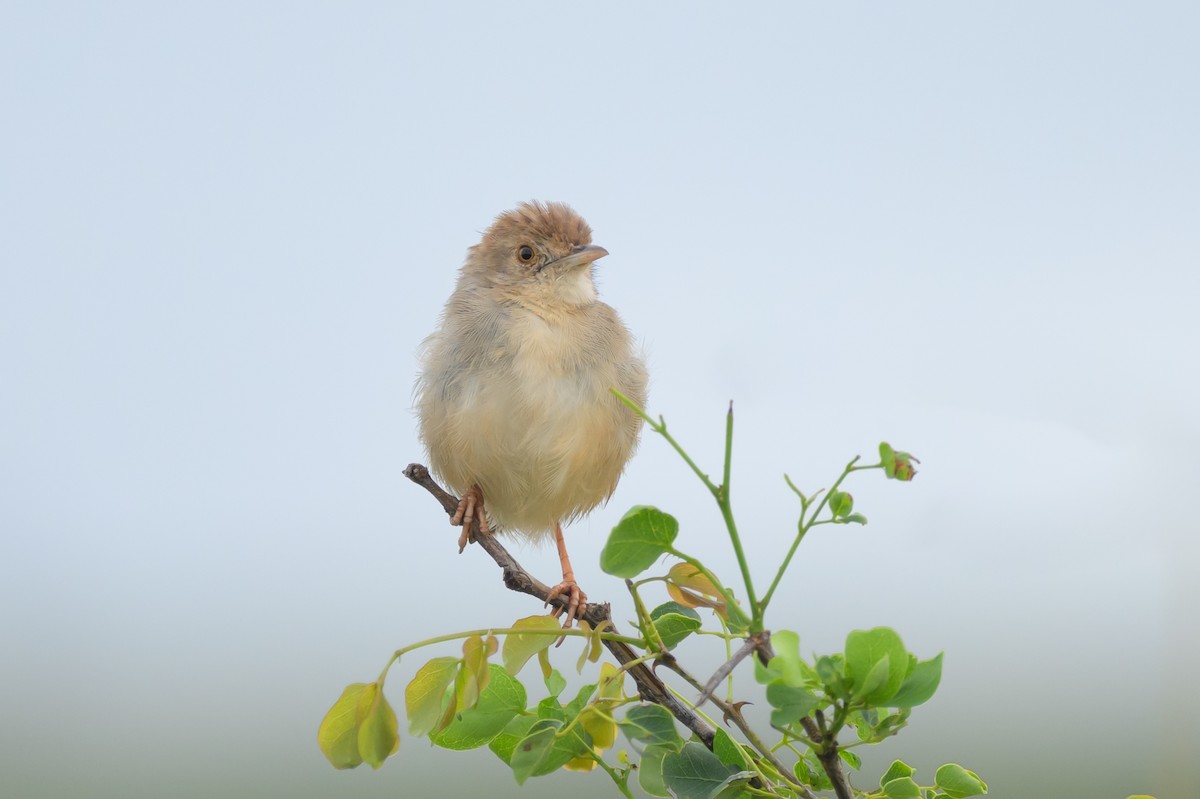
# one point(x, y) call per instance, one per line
point(441, 639)
point(621, 780)
point(650, 637)
point(660, 427)
point(803, 527)
point(719, 493)
point(728, 449)
point(724, 501)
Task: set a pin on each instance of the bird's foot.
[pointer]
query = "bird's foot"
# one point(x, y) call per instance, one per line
point(470, 505)
point(576, 602)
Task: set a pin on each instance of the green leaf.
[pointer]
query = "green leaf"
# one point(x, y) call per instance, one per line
point(555, 683)
point(901, 788)
point(887, 456)
point(653, 724)
point(766, 674)
point(425, 696)
point(576, 705)
point(867, 648)
point(551, 708)
point(641, 537)
point(791, 704)
point(734, 786)
point(650, 775)
point(543, 750)
point(851, 759)
point(891, 724)
point(507, 739)
point(520, 647)
point(809, 772)
point(864, 721)
point(876, 679)
point(831, 673)
point(895, 771)
point(728, 751)
point(338, 734)
point(840, 504)
point(694, 772)
point(534, 749)
point(855, 518)
point(499, 703)
point(787, 663)
point(920, 684)
point(958, 783)
point(378, 735)
point(674, 623)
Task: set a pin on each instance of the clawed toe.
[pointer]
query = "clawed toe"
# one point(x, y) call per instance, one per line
point(576, 603)
point(470, 503)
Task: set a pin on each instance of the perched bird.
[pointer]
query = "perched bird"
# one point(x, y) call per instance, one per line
point(514, 394)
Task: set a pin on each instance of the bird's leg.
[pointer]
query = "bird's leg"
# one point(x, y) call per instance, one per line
point(471, 502)
point(576, 599)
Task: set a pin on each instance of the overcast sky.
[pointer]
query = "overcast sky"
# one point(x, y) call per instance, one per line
point(970, 229)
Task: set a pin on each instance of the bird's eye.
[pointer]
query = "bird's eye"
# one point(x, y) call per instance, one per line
point(525, 253)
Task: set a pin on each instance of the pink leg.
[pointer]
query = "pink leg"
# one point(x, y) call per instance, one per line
point(576, 599)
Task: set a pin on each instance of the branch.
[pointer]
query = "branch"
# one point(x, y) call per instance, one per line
point(830, 762)
point(650, 687)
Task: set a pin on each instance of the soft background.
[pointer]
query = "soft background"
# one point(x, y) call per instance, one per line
point(970, 229)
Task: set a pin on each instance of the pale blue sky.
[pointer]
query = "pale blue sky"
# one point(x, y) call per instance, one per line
point(967, 228)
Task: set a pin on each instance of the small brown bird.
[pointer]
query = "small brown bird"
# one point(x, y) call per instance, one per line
point(514, 397)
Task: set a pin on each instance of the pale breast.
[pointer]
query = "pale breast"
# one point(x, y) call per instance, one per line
point(535, 426)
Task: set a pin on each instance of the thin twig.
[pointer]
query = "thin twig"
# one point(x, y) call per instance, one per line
point(650, 687)
point(715, 681)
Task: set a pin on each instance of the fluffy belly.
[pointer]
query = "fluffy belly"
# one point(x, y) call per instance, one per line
point(542, 451)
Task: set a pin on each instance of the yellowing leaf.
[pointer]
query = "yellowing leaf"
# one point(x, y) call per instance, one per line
point(583, 656)
point(600, 725)
point(425, 696)
point(475, 671)
point(520, 647)
point(593, 645)
point(597, 646)
point(378, 738)
point(338, 734)
point(612, 682)
point(690, 588)
point(582, 764)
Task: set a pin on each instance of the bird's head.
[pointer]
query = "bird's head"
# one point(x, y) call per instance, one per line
point(540, 252)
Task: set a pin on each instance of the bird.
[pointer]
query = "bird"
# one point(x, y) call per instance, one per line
point(514, 395)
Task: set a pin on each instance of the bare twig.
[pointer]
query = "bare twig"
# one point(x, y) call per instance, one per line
point(709, 687)
point(650, 687)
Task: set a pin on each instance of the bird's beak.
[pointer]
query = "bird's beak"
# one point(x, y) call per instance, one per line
point(580, 256)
